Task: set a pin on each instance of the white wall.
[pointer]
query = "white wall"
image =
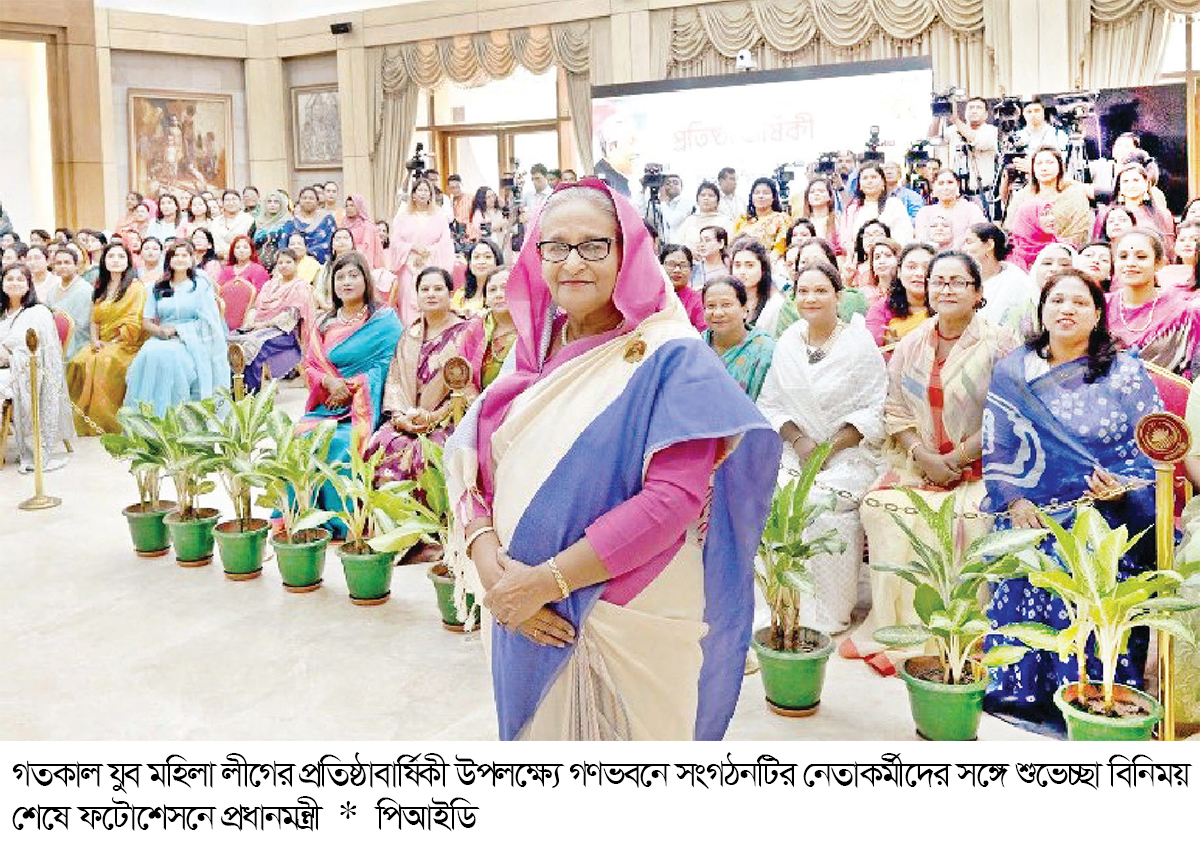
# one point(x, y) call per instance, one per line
point(27, 182)
point(202, 75)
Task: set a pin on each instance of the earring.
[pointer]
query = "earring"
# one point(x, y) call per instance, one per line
point(982, 302)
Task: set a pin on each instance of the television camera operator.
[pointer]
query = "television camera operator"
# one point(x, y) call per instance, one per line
point(974, 144)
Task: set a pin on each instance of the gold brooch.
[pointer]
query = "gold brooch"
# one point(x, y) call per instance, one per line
point(635, 350)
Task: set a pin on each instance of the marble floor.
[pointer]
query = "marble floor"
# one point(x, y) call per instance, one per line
point(99, 644)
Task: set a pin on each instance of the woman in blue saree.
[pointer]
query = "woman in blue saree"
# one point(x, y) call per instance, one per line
point(1059, 424)
point(346, 364)
point(610, 490)
point(185, 357)
point(312, 223)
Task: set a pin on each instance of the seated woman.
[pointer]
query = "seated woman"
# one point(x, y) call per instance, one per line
point(872, 201)
point(677, 262)
point(959, 213)
point(242, 264)
point(346, 362)
point(712, 255)
point(769, 310)
point(1182, 273)
point(275, 329)
point(1134, 196)
point(483, 259)
point(706, 215)
point(1063, 411)
point(96, 373)
point(206, 260)
point(884, 257)
point(827, 383)
point(21, 312)
point(1053, 208)
point(764, 220)
point(498, 330)
point(307, 266)
point(746, 353)
point(819, 208)
point(858, 261)
point(938, 379)
point(904, 309)
point(185, 357)
point(340, 243)
point(814, 250)
point(1009, 293)
point(1163, 323)
point(417, 401)
point(1095, 259)
point(272, 219)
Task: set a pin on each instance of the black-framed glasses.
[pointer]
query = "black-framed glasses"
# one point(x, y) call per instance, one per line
point(954, 284)
point(555, 251)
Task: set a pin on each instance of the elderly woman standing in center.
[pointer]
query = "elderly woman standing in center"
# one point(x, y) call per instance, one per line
point(937, 388)
point(827, 383)
point(610, 492)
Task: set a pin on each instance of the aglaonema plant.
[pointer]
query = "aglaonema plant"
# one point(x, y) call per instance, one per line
point(418, 509)
point(293, 470)
point(140, 446)
point(1098, 604)
point(946, 575)
point(189, 465)
point(784, 575)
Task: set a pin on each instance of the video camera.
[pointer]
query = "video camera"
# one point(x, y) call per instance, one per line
point(783, 175)
point(1007, 115)
point(872, 154)
point(417, 164)
point(942, 104)
point(652, 178)
point(1072, 109)
point(826, 164)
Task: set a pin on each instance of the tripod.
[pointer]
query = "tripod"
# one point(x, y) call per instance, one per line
point(1077, 155)
point(654, 215)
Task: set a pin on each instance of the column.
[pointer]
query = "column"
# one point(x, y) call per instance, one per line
point(358, 125)
point(266, 111)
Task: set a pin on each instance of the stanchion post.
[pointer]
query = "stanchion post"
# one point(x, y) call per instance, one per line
point(237, 366)
point(40, 499)
point(1165, 439)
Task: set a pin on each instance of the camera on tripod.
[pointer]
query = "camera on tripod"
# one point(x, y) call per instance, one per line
point(871, 152)
point(417, 164)
point(783, 175)
point(826, 164)
point(1007, 115)
point(1073, 109)
point(652, 179)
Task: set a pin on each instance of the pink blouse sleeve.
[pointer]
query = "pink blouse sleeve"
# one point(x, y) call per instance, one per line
point(646, 531)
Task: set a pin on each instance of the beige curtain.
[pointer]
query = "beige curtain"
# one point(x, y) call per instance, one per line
point(1121, 42)
point(402, 71)
point(791, 33)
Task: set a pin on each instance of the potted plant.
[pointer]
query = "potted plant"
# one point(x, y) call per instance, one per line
point(293, 469)
point(791, 657)
point(144, 453)
point(1100, 605)
point(380, 521)
point(427, 510)
point(190, 468)
point(239, 437)
point(945, 690)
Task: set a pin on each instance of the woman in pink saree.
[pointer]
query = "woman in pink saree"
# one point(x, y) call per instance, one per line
point(420, 238)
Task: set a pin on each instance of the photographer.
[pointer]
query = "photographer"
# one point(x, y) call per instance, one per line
point(981, 140)
point(675, 208)
point(1037, 133)
point(892, 176)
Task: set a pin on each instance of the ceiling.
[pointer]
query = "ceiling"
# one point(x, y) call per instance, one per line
point(252, 12)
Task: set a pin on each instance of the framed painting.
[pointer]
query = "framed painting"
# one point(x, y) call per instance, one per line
point(180, 141)
point(316, 127)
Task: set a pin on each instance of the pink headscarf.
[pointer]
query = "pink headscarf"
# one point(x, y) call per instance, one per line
point(1029, 237)
point(641, 290)
point(365, 233)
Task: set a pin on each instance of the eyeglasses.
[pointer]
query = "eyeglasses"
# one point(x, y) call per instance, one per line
point(676, 265)
point(555, 252)
point(954, 284)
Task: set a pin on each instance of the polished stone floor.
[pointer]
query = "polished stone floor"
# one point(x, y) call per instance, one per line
point(101, 645)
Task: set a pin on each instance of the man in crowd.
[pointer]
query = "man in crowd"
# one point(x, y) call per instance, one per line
point(730, 204)
point(845, 176)
point(569, 176)
point(1038, 132)
point(460, 202)
point(892, 175)
point(538, 190)
point(675, 208)
point(982, 141)
point(250, 200)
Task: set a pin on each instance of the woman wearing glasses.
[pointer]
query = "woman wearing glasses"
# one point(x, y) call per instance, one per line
point(937, 388)
point(580, 480)
point(677, 261)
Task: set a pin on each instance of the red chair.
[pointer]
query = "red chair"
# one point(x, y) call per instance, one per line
point(64, 323)
point(238, 296)
point(1174, 391)
point(460, 273)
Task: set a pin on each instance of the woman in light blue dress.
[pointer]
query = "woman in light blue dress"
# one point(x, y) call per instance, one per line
point(185, 357)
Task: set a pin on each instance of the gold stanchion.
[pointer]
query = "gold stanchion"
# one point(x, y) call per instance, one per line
point(456, 373)
point(1166, 439)
point(40, 499)
point(237, 366)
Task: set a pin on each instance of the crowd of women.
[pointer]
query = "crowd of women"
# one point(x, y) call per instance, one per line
point(997, 369)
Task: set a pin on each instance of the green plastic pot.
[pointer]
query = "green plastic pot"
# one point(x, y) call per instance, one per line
point(943, 711)
point(242, 549)
point(193, 537)
point(368, 575)
point(1084, 726)
point(301, 564)
point(443, 585)
point(147, 530)
point(793, 680)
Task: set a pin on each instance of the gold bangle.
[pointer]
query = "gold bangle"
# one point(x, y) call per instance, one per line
point(471, 539)
point(912, 450)
point(559, 579)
